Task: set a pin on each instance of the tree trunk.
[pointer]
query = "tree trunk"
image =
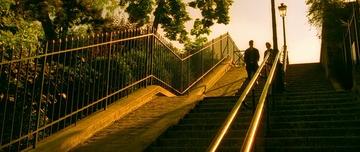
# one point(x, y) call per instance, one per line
point(157, 19)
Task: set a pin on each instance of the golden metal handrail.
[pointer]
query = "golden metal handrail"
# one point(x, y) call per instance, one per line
point(250, 135)
point(231, 117)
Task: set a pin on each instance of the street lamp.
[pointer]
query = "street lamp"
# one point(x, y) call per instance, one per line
point(282, 11)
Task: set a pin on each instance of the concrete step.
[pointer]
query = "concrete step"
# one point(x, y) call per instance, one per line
point(314, 132)
point(315, 124)
point(327, 148)
point(315, 111)
point(317, 141)
point(316, 105)
point(319, 117)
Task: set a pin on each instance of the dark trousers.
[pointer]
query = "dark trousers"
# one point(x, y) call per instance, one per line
point(251, 69)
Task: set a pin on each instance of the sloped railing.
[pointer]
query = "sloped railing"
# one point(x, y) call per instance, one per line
point(45, 90)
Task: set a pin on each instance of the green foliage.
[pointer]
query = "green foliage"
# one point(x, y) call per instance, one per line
point(15, 30)
point(195, 45)
point(139, 11)
point(172, 15)
point(215, 10)
point(321, 10)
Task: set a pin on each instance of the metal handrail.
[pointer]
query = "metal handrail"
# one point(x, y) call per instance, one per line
point(231, 117)
point(74, 49)
point(250, 135)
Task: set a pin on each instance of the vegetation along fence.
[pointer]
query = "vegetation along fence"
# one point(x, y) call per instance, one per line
point(45, 90)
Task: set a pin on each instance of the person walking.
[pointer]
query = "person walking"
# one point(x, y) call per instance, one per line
point(271, 58)
point(251, 58)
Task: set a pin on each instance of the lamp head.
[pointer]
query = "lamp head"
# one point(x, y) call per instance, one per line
point(282, 9)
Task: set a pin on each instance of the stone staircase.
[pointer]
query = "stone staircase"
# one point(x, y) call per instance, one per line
point(196, 130)
point(312, 116)
point(309, 116)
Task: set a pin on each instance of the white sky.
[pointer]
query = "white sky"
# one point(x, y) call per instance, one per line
point(251, 19)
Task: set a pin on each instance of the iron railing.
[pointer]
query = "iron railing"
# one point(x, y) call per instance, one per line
point(45, 90)
point(256, 122)
point(349, 59)
point(262, 106)
point(235, 110)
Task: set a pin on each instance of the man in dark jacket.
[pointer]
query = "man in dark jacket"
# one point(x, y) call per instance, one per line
point(251, 58)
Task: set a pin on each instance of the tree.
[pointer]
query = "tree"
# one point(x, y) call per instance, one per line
point(57, 17)
point(172, 15)
point(319, 10)
point(15, 30)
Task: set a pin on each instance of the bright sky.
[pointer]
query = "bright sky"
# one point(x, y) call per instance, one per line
point(251, 19)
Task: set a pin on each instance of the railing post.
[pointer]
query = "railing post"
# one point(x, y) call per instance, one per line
point(147, 73)
point(108, 70)
point(227, 43)
point(38, 115)
point(152, 47)
point(182, 74)
point(221, 47)
point(212, 52)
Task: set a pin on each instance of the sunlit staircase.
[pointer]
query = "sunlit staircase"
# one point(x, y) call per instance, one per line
point(312, 116)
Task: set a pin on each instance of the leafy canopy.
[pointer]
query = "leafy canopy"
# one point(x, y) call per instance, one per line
point(172, 15)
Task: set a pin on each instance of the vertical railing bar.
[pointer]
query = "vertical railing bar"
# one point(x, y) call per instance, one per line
point(46, 89)
point(92, 75)
point(127, 52)
point(73, 96)
point(121, 53)
point(62, 94)
point(40, 98)
point(77, 101)
point(57, 63)
point(15, 96)
point(33, 93)
point(142, 60)
point(87, 61)
point(51, 58)
point(68, 82)
point(147, 55)
point(221, 46)
point(118, 59)
point(24, 96)
point(133, 52)
point(98, 66)
point(108, 70)
point(137, 60)
point(6, 100)
point(91, 58)
point(152, 52)
point(103, 66)
point(227, 43)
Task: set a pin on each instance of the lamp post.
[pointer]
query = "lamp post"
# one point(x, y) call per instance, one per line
point(281, 84)
point(282, 11)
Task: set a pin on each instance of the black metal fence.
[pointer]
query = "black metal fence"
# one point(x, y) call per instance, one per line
point(351, 52)
point(45, 90)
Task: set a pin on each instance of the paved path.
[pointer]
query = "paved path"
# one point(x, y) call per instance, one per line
point(141, 127)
